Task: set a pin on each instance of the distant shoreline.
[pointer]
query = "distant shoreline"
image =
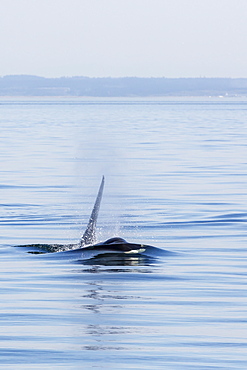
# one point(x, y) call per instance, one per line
point(125, 87)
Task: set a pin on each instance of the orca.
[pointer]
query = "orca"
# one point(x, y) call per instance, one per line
point(87, 247)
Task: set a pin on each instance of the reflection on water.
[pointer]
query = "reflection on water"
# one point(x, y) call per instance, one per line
point(97, 269)
point(120, 260)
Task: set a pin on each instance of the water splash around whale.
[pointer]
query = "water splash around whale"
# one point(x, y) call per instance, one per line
point(115, 250)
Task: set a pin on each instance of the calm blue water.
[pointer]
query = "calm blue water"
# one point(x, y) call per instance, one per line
point(176, 178)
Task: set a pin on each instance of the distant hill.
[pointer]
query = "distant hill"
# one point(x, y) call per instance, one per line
point(27, 85)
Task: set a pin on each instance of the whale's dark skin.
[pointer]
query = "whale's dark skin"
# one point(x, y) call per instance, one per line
point(87, 246)
point(118, 244)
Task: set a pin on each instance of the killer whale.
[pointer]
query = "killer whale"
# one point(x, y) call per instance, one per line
point(87, 247)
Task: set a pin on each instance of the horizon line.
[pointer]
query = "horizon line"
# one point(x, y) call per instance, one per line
point(118, 77)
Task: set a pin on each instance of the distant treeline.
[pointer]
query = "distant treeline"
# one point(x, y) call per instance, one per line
point(26, 85)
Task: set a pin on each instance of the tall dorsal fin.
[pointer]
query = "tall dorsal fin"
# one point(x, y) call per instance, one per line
point(89, 236)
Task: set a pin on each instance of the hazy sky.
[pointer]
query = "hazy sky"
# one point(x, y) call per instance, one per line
point(170, 38)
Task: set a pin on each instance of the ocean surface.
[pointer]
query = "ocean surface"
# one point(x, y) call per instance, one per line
point(175, 178)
